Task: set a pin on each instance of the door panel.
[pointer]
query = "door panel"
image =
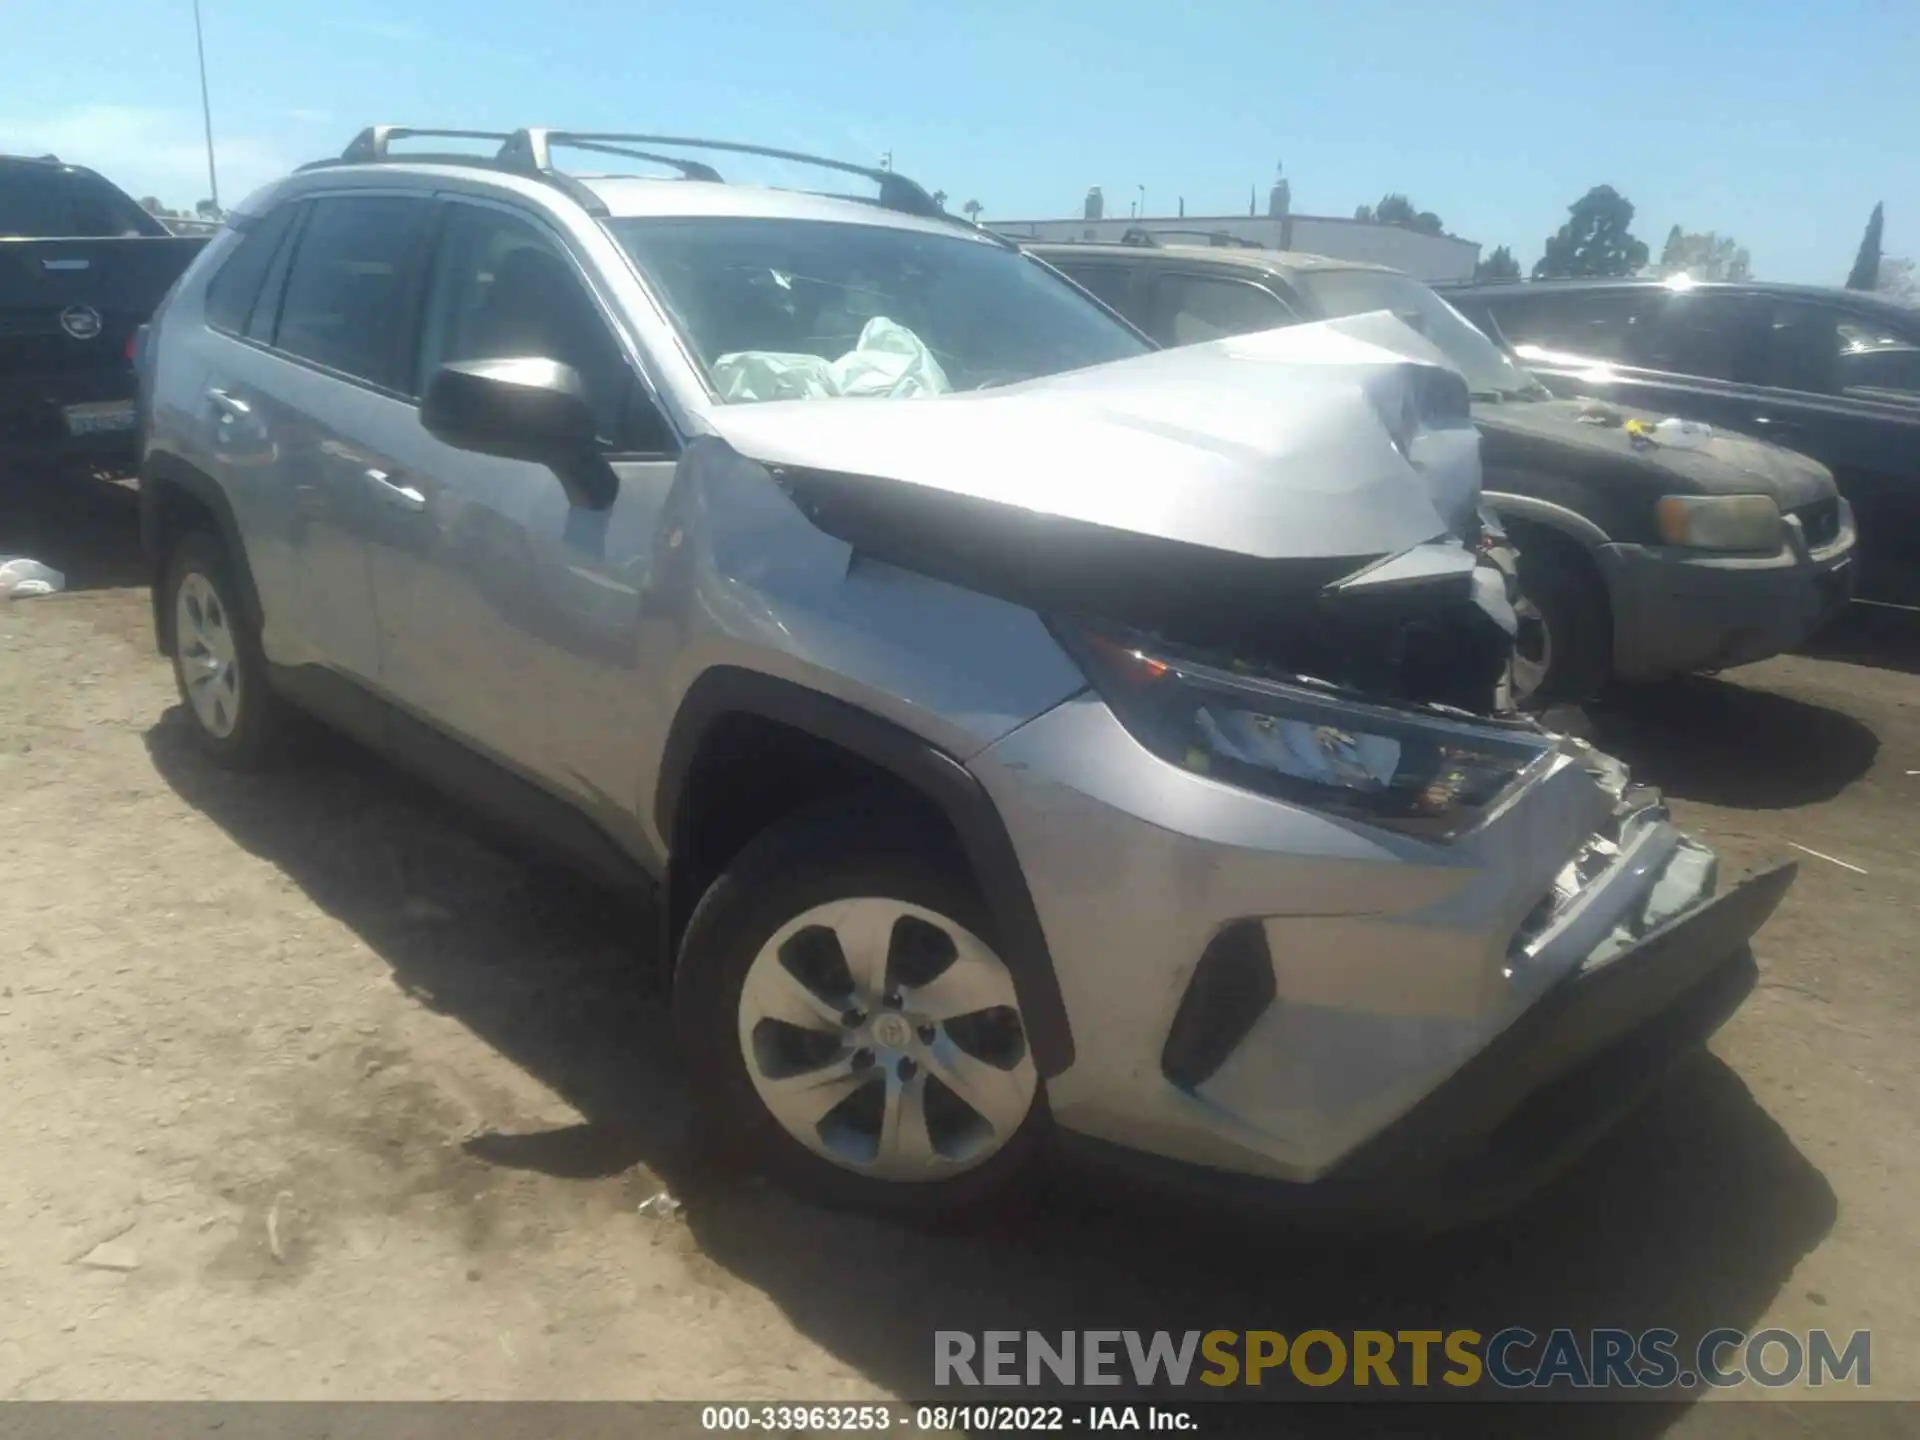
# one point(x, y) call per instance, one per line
point(510, 618)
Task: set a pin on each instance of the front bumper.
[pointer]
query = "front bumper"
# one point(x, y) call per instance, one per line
point(1391, 1008)
point(1676, 611)
point(1534, 1101)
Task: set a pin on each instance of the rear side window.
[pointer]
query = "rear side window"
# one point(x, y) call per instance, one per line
point(1189, 309)
point(236, 286)
point(1110, 284)
point(345, 301)
point(45, 202)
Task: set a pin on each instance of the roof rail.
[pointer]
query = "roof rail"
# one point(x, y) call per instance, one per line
point(371, 144)
point(530, 151)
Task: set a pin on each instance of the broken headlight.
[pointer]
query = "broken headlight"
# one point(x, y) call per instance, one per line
point(1426, 774)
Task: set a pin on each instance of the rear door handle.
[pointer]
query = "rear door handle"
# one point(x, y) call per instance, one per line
point(1777, 427)
point(229, 405)
point(405, 496)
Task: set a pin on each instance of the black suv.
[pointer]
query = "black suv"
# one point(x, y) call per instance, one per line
point(1645, 550)
point(1834, 374)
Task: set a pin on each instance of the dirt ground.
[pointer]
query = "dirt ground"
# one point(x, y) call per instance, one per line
point(355, 1107)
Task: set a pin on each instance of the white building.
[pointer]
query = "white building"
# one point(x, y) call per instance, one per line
point(1428, 257)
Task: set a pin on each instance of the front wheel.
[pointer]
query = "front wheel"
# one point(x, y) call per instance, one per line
point(1563, 649)
point(849, 1025)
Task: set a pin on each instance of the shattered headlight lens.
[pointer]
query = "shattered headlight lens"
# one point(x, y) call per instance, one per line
point(1720, 522)
point(1430, 775)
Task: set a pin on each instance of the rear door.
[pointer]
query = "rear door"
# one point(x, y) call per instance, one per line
point(510, 616)
point(305, 406)
point(1843, 385)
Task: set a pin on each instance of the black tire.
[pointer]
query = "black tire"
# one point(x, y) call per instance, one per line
point(843, 849)
point(1573, 617)
point(261, 722)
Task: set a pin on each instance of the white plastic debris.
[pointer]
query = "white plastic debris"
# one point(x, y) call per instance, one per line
point(889, 360)
point(20, 577)
point(662, 1205)
point(1678, 434)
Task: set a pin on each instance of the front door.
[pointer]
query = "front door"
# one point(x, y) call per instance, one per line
point(510, 616)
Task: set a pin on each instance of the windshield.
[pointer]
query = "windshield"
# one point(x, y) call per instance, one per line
point(1490, 374)
point(786, 309)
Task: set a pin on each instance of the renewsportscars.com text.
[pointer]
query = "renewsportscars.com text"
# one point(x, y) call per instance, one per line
point(1514, 1358)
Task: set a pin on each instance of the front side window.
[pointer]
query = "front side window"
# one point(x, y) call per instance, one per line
point(1823, 351)
point(502, 289)
point(1191, 309)
point(344, 305)
point(777, 309)
point(1698, 333)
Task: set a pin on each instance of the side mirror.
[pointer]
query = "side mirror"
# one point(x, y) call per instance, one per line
point(527, 408)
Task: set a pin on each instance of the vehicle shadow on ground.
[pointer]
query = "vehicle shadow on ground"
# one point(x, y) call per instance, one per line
point(1719, 742)
point(1883, 637)
point(1692, 1215)
point(87, 529)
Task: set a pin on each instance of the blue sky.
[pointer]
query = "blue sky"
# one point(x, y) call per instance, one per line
point(1778, 123)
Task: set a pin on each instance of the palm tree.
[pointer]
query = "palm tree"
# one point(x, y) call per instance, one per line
point(973, 209)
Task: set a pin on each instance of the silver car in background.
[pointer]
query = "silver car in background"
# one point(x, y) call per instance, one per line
point(1029, 738)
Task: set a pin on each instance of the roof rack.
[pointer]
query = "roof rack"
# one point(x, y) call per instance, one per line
point(529, 152)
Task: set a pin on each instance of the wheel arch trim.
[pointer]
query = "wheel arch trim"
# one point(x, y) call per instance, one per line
point(929, 771)
point(161, 472)
point(1570, 523)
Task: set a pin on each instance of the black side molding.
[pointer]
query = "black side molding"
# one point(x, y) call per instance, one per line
point(160, 474)
point(930, 772)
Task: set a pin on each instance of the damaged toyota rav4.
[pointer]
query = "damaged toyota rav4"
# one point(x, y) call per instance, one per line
point(1030, 740)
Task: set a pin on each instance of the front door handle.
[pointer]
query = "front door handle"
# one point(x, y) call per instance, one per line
point(405, 496)
point(1777, 427)
point(231, 407)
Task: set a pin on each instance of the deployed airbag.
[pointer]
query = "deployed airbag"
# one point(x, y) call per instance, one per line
point(889, 360)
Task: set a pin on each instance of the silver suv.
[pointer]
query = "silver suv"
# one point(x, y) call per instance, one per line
point(1032, 739)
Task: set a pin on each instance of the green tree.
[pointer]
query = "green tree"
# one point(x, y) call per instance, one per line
point(1500, 265)
point(1395, 209)
point(973, 209)
point(1708, 256)
point(1597, 239)
point(940, 198)
point(1866, 264)
point(207, 210)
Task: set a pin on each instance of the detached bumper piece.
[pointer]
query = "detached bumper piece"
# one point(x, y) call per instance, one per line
point(1523, 1109)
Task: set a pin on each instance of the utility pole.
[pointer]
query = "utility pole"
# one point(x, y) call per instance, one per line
point(206, 109)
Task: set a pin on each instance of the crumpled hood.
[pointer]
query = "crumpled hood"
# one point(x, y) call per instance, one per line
point(1527, 434)
point(1347, 439)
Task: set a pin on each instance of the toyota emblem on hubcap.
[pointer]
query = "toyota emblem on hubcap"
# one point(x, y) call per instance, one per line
point(82, 322)
point(892, 1031)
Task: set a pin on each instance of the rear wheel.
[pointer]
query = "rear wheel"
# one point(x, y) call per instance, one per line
point(849, 1025)
point(218, 665)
